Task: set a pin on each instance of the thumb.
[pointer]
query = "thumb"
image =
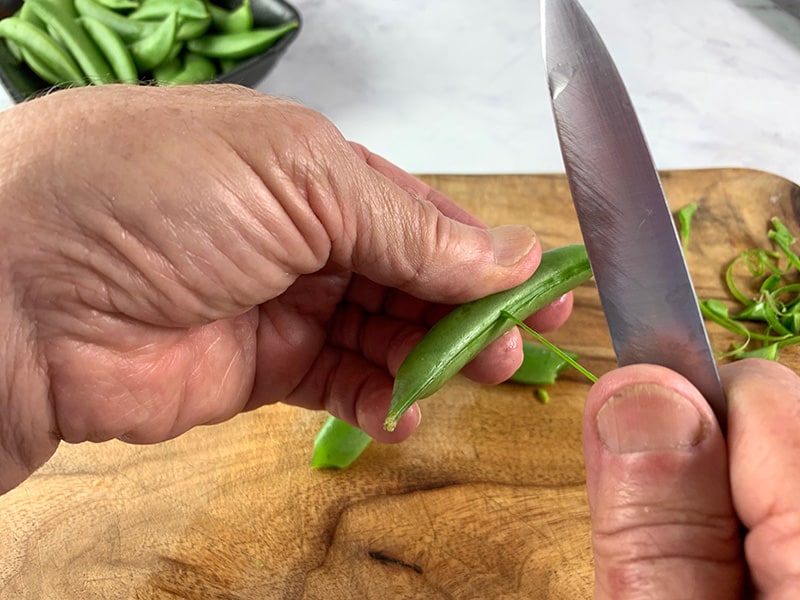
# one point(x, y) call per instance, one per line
point(663, 524)
point(403, 234)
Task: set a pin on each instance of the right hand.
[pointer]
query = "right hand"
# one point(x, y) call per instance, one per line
point(669, 502)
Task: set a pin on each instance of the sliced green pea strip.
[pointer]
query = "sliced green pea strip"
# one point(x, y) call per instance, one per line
point(46, 51)
point(75, 39)
point(239, 45)
point(458, 338)
point(685, 215)
point(152, 50)
point(567, 357)
point(338, 444)
point(232, 21)
point(111, 45)
point(129, 30)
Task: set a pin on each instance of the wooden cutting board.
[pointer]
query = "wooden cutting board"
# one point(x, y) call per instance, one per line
point(486, 501)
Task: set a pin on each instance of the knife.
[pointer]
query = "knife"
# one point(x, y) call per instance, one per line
point(630, 236)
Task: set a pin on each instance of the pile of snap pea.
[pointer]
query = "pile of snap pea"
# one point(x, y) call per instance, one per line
point(455, 340)
point(80, 42)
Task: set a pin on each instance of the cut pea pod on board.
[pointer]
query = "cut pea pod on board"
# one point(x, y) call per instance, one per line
point(69, 43)
point(458, 338)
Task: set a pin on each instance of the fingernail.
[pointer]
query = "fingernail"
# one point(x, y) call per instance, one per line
point(511, 243)
point(648, 417)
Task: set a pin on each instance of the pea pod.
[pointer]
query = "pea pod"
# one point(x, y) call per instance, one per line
point(120, 4)
point(111, 45)
point(338, 444)
point(167, 71)
point(239, 45)
point(40, 67)
point(129, 30)
point(194, 18)
point(66, 6)
point(458, 338)
point(152, 50)
point(25, 14)
point(36, 42)
point(229, 64)
point(189, 29)
point(195, 68)
point(232, 21)
point(155, 10)
point(67, 29)
point(175, 51)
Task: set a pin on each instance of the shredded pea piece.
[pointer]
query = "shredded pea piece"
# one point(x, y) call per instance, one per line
point(768, 315)
point(542, 395)
point(685, 215)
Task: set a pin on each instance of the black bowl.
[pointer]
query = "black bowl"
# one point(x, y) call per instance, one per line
point(23, 84)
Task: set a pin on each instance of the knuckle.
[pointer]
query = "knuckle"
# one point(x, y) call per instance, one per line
point(641, 532)
point(636, 547)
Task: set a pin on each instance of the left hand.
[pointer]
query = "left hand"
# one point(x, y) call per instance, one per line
point(170, 257)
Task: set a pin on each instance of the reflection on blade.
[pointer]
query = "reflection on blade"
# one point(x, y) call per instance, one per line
point(630, 235)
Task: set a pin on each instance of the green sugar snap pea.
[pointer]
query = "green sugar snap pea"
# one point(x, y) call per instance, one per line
point(155, 10)
point(129, 30)
point(189, 29)
point(26, 14)
point(47, 52)
point(153, 49)
point(107, 41)
point(458, 338)
point(40, 67)
point(120, 4)
point(338, 444)
point(195, 68)
point(66, 6)
point(111, 45)
point(239, 45)
point(232, 21)
point(63, 25)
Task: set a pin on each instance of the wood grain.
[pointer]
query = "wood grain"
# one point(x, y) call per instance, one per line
point(487, 500)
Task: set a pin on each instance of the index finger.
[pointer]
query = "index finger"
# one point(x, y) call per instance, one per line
point(764, 449)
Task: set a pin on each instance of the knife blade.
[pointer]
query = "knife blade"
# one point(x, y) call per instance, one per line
point(644, 285)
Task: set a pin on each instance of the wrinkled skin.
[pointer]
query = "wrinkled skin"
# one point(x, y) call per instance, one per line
point(670, 500)
point(172, 257)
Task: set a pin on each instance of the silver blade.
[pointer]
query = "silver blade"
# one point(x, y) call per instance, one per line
point(630, 236)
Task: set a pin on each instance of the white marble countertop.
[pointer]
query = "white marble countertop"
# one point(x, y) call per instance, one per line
point(458, 86)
